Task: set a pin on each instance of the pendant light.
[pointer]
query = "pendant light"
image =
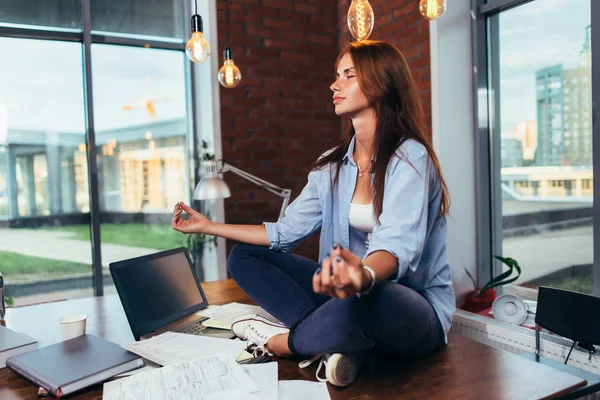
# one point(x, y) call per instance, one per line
point(361, 19)
point(229, 75)
point(197, 48)
point(432, 9)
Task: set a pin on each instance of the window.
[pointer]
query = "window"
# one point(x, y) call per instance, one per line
point(141, 131)
point(44, 169)
point(160, 18)
point(64, 14)
point(539, 65)
point(142, 126)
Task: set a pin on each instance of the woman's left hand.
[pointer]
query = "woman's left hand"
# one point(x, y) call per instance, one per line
point(341, 274)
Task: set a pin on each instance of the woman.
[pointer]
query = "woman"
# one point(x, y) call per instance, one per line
point(380, 201)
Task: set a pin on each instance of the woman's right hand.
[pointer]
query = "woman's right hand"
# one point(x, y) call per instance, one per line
point(196, 223)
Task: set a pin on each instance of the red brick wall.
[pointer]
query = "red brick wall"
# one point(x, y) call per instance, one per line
point(399, 22)
point(280, 118)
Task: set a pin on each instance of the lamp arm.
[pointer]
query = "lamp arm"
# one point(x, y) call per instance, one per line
point(281, 192)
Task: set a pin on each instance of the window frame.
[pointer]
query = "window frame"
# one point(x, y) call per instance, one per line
point(485, 56)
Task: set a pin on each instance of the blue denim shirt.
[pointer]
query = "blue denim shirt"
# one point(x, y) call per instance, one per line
point(408, 226)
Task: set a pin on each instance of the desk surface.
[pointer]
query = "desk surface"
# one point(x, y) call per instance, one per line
point(463, 370)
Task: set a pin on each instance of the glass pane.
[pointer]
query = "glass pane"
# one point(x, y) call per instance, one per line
point(44, 206)
point(142, 136)
point(159, 18)
point(546, 122)
point(64, 14)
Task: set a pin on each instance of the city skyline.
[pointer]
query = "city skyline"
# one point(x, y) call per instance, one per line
point(532, 37)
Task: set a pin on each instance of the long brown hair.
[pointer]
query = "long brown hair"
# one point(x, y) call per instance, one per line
point(385, 79)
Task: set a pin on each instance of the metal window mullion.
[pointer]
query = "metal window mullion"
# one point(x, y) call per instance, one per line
point(595, 20)
point(482, 144)
point(41, 34)
point(496, 6)
point(135, 42)
point(91, 151)
point(495, 140)
point(194, 143)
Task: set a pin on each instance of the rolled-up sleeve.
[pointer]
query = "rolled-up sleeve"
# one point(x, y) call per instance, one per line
point(403, 222)
point(302, 218)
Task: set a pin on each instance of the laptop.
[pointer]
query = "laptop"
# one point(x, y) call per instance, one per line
point(161, 292)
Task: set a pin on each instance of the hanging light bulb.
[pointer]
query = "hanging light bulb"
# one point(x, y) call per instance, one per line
point(229, 74)
point(197, 48)
point(361, 19)
point(432, 9)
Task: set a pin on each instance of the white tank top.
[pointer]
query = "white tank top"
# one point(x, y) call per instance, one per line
point(361, 217)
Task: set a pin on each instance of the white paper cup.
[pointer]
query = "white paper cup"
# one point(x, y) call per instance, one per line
point(72, 326)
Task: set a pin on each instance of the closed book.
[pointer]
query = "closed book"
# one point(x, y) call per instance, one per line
point(13, 343)
point(66, 367)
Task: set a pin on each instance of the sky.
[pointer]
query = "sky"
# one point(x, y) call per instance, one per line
point(41, 85)
point(533, 36)
point(41, 81)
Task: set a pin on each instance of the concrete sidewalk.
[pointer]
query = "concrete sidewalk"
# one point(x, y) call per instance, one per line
point(547, 252)
point(60, 245)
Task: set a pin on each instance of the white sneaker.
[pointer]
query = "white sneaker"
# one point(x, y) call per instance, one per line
point(257, 330)
point(341, 369)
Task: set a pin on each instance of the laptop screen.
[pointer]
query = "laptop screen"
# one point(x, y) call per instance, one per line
point(157, 289)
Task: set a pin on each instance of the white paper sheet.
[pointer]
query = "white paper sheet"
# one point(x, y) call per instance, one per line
point(172, 347)
point(303, 390)
point(215, 377)
point(265, 376)
point(232, 311)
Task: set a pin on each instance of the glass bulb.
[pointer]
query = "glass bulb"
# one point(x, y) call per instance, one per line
point(432, 9)
point(197, 48)
point(229, 74)
point(361, 19)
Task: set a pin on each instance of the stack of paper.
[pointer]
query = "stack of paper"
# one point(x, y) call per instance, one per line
point(199, 367)
point(229, 313)
point(173, 348)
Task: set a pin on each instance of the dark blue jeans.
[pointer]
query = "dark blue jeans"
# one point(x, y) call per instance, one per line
point(392, 318)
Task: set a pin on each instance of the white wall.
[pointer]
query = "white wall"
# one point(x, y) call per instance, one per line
point(453, 135)
point(208, 117)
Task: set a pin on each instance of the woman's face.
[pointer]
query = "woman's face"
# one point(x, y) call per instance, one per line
point(348, 99)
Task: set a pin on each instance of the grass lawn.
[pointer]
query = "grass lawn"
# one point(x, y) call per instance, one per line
point(17, 267)
point(160, 237)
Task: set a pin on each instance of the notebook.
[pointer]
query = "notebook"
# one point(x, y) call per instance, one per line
point(74, 364)
point(13, 343)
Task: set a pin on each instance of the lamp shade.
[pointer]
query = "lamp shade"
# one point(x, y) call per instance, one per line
point(211, 188)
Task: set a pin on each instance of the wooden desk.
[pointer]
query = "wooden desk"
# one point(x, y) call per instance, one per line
point(464, 370)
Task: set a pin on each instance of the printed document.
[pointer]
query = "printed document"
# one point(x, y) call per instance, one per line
point(215, 377)
point(172, 347)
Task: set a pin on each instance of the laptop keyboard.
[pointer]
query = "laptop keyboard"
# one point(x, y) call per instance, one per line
point(192, 328)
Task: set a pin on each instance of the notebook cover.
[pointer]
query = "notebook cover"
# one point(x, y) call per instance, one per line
point(10, 339)
point(13, 343)
point(73, 360)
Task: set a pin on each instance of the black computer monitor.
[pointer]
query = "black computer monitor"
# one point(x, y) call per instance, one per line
point(157, 289)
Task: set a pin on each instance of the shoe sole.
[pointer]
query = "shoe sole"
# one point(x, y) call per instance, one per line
point(337, 362)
